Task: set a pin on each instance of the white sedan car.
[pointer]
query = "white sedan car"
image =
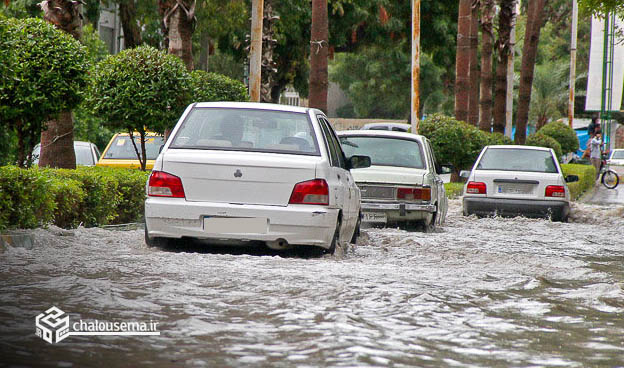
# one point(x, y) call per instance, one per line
point(616, 161)
point(403, 184)
point(517, 180)
point(237, 173)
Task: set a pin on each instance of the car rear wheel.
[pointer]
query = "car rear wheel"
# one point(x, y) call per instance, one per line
point(157, 242)
point(335, 239)
point(356, 232)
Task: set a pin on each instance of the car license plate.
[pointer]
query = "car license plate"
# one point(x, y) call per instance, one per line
point(515, 188)
point(374, 217)
point(236, 225)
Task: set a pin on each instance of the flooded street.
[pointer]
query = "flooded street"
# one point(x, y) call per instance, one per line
point(481, 292)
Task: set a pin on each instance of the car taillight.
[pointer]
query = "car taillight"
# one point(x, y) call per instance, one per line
point(310, 192)
point(411, 194)
point(555, 191)
point(475, 187)
point(162, 184)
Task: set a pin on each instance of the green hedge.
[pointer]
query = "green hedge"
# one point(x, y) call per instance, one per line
point(587, 178)
point(90, 196)
point(454, 190)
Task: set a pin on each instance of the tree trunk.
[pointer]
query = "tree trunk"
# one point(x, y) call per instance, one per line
point(462, 61)
point(57, 139)
point(505, 24)
point(178, 19)
point(57, 143)
point(269, 67)
point(318, 55)
point(485, 112)
point(206, 45)
point(473, 104)
point(131, 31)
point(529, 53)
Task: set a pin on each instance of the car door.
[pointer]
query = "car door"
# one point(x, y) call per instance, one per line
point(438, 183)
point(344, 184)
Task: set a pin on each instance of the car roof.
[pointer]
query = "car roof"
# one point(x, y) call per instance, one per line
point(380, 133)
point(398, 125)
point(256, 106)
point(536, 148)
point(136, 134)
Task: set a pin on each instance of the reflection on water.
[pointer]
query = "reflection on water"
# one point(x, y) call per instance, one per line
point(489, 292)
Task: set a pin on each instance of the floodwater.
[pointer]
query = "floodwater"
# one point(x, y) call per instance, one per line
point(479, 293)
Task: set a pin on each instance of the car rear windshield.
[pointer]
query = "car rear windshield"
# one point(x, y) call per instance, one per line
point(618, 155)
point(247, 130)
point(511, 159)
point(122, 148)
point(385, 151)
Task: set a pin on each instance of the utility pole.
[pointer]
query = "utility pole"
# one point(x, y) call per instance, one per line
point(572, 62)
point(415, 65)
point(510, 74)
point(255, 57)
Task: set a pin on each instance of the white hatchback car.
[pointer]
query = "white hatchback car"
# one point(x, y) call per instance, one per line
point(517, 180)
point(236, 173)
point(403, 184)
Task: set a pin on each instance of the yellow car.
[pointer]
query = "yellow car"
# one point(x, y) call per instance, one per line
point(120, 151)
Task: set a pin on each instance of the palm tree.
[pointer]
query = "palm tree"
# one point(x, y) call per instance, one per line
point(535, 21)
point(473, 105)
point(487, 37)
point(550, 93)
point(506, 20)
point(462, 61)
point(57, 139)
point(318, 55)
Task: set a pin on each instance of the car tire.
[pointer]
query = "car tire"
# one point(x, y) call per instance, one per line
point(335, 239)
point(356, 232)
point(157, 242)
point(431, 226)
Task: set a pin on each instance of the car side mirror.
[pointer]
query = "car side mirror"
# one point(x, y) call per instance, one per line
point(571, 178)
point(445, 169)
point(465, 174)
point(358, 162)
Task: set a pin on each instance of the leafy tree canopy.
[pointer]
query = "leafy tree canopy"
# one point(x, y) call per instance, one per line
point(44, 70)
point(563, 134)
point(211, 87)
point(140, 88)
point(601, 7)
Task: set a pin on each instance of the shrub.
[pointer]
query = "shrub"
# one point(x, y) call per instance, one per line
point(25, 199)
point(131, 193)
point(100, 203)
point(541, 140)
point(587, 178)
point(211, 87)
point(498, 139)
point(563, 134)
point(68, 196)
point(140, 89)
point(454, 190)
point(453, 141)
point(92, 196)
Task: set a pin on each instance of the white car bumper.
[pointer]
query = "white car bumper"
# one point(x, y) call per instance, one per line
point(295, 224)
point(400, 211)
